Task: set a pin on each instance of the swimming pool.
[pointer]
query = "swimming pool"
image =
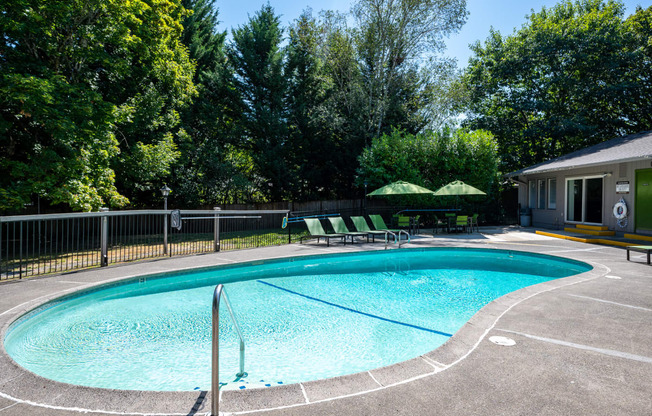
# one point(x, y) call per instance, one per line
point(303, 318)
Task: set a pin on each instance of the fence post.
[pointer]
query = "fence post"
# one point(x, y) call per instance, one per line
point(104, 236)
point(20, 242)
point(288, 223)
point(1, 223)
point(165, 228)
point(216, 229)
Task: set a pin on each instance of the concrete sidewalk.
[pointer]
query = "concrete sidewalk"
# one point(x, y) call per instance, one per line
point(582, 347)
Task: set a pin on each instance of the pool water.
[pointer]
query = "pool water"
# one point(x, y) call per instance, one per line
point(302, 319)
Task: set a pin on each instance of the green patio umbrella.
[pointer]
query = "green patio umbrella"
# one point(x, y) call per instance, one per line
point(458, 188)
point(400, 188)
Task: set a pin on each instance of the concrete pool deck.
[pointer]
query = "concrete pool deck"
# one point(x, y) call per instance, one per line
point(583, 346)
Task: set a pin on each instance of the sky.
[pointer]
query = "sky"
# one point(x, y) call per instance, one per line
point(503, 15)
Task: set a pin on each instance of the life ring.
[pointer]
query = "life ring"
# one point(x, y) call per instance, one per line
point(620, 210)
point(284, 223)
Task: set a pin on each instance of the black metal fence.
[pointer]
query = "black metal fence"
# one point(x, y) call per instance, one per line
point(32, 245)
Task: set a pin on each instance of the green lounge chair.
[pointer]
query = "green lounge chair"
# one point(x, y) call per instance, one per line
point(340, 227)
point(317, 231)
point(379, 224)
point(361, 225)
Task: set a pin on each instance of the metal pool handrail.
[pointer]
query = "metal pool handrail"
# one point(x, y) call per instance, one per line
point(396, 236)
point(217, 294)
point(399, 237)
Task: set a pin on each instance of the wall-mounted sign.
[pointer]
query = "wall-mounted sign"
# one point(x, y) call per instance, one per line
point(175, 219)
point(622, 187)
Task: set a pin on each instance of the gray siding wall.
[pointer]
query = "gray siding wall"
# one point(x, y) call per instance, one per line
point(555, 218)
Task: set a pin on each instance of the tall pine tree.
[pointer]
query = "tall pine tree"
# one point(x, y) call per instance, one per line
point(309, 121)
point(259, 80)
point(205, 175)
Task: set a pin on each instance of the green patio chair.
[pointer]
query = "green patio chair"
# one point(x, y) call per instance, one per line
point(409, 223)
point(403, 221)
point(473, 221)
point(393, 222)
point(462, 223)
point(416, 226)
point(450, 219)
point(361, 225)
point(317, 231)
point(439, 223)
point(340, 227)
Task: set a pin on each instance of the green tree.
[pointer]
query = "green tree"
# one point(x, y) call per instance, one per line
point(257, 61)
point(85, 87)
point(393, 39)
point(432, 160)
point(205, 173)
point(569, 78)
point(310, 120)
point(639, 28)
point(444, 95)
point(330, 101)
point(345, 105)
point(205, 45)
point(156, 86)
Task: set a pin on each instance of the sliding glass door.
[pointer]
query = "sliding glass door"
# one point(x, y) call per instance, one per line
point(574, 197)
point(593, 206)
point(584, 200)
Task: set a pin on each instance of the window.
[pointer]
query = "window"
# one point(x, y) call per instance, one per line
point(552, 193)
point(541, 197)
point(533, 194)
point(584, 200)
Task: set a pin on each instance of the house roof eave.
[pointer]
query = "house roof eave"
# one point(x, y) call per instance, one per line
point(535, 171)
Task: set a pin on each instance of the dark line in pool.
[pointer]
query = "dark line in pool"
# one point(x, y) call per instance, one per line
point(358, 312)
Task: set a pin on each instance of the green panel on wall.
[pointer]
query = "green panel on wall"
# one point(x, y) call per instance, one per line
point(643, 199)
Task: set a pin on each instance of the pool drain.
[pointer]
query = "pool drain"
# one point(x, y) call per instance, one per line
point(503, 341)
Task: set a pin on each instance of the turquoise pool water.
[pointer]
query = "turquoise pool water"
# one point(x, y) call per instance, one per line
point(302, 318)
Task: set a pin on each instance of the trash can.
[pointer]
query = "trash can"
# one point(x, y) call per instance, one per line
point(526, 217)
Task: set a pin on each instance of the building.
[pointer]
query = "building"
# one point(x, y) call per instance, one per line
point(586, 186)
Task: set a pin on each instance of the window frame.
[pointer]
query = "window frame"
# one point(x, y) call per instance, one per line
point(541, 199)
point(532, 194)
point(552, 204)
